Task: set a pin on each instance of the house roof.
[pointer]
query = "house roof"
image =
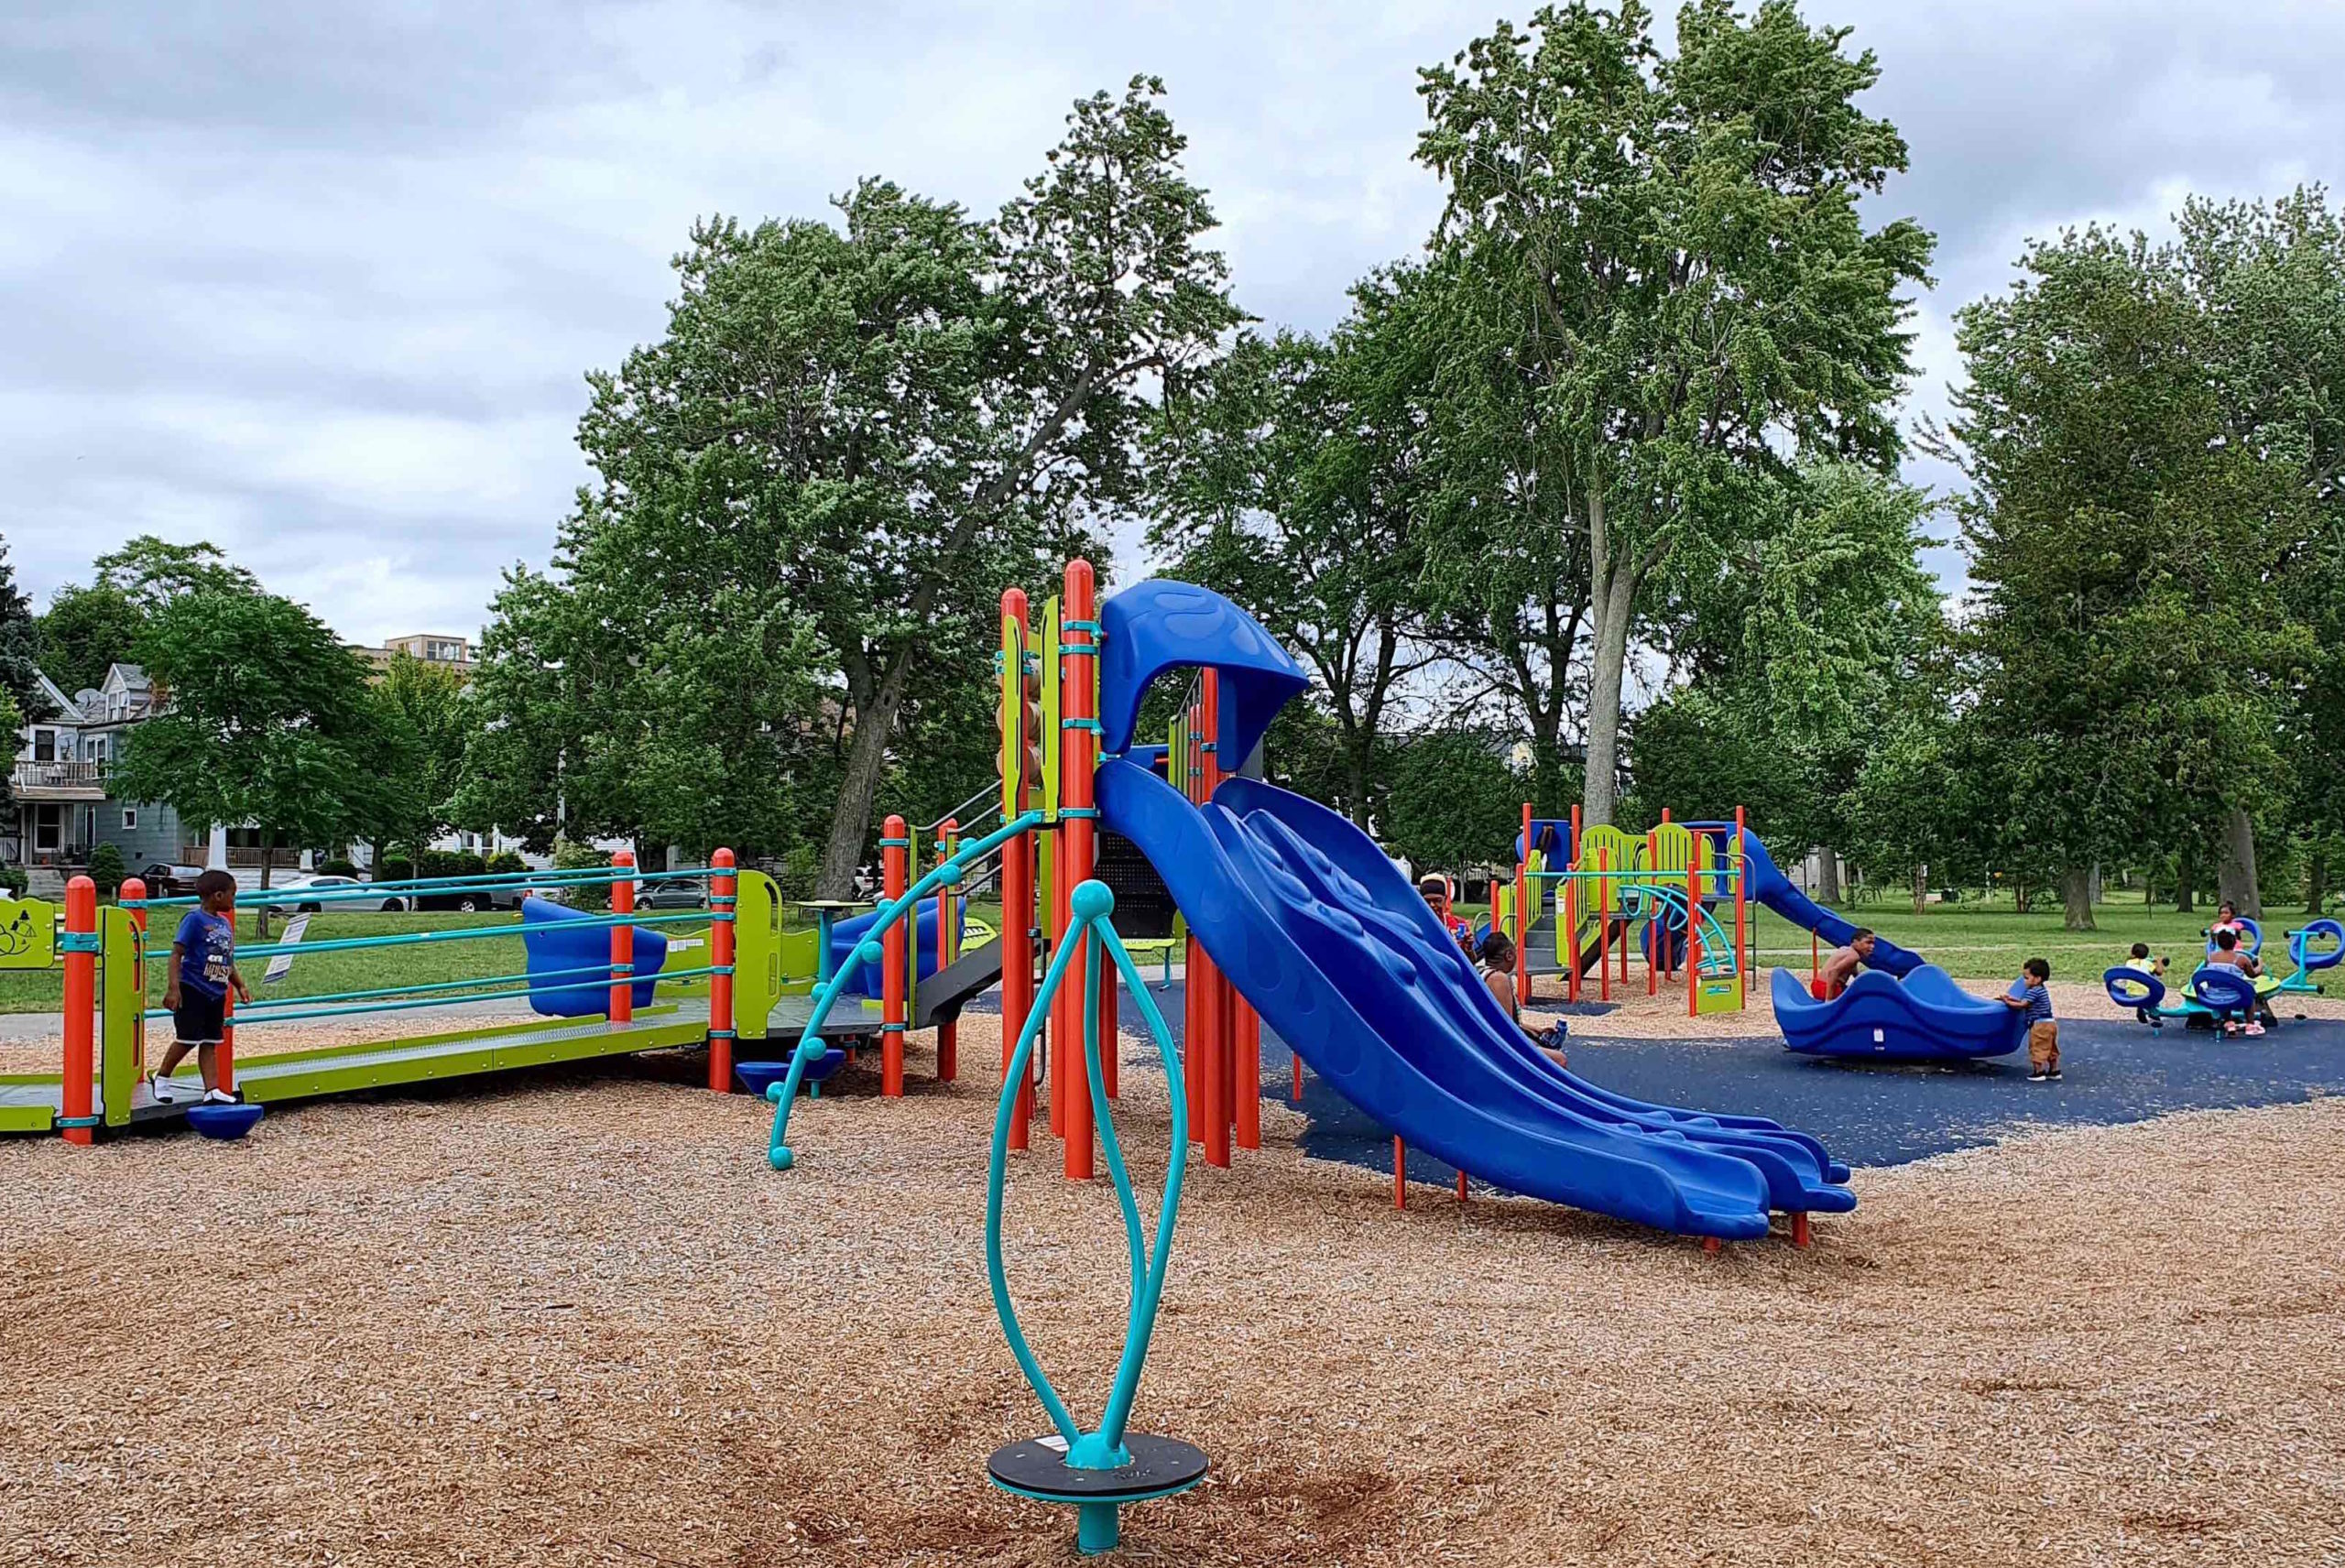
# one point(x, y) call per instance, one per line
point(67, 710)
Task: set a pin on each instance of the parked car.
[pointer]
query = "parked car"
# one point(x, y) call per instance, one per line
point(295, 894)
point(676, 895)
point(164, 881)
point(469, 900)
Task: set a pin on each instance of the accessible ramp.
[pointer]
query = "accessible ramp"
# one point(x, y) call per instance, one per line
point(1330, 944)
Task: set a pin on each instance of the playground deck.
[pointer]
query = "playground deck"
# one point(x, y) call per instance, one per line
point(28, 1103)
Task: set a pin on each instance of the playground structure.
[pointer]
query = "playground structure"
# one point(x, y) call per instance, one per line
point(1585, 890)
point(1312, 931)
point(2217, 996)
point(592, 1000)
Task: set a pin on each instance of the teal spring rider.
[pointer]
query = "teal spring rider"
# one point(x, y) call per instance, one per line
point(1100, 1471)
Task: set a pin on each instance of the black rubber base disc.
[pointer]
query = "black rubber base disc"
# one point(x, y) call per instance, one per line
point(1161, 1465)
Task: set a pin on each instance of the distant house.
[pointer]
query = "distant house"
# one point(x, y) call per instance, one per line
point(431, 647)
point(55, 788)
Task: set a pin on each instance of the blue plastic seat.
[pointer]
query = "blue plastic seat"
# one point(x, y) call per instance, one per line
point(225, 1122)
point(2130, 988)
point(2223, 991)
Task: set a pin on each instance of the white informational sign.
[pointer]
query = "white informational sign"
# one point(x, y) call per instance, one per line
point(282, 965)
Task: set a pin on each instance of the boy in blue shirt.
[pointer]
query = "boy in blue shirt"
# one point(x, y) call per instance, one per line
point(2043, 1035)
point(203, 967)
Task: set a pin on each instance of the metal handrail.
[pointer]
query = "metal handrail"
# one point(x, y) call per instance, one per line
point(990, 791)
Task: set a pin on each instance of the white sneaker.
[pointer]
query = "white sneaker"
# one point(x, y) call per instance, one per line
point(160, 1088)
point(218, 1098)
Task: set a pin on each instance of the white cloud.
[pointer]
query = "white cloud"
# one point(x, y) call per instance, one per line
point(320, 284)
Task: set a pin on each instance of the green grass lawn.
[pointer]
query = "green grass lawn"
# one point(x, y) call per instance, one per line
point(1990, 942)
point(361, 969)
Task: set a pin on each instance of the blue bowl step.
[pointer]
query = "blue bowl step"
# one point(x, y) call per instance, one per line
point(224, 1121)
point(756, 1077)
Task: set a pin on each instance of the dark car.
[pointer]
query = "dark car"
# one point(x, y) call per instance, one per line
point(170, 881)
point(470, 900)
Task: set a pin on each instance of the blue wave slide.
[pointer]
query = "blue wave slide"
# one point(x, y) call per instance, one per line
point(1340, 956)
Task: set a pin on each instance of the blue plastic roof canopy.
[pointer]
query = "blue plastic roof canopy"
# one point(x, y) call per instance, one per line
point(1161, 625)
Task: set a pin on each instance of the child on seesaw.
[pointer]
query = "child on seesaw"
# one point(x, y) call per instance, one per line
point(195, 989)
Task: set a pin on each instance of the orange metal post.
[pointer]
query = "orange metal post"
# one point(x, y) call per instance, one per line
point(724, 888)
point(133, 889)
point(1399, 1173)
point(1743, 953)
point(1461, 1186)
point(1694, 929)
point(1801, 1235)
point(1248, 1085)
point(1296, 1062)
point(1078, 746)
point(1016, 889)
point(895, 867)
point(621, 1006)
point(1567, 922)
point(1603, 920)
point(948, 948)
point(1016, 882)
point(77, 1102)
point(1656, 934)
point(1524, 899)
point(1211, 1043)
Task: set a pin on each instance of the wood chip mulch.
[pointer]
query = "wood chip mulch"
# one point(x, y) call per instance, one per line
point(571, 1317)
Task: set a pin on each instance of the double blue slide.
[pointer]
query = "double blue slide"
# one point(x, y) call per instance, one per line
point(1323, 935)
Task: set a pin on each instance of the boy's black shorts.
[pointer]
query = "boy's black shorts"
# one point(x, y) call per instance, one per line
point(199, 1020)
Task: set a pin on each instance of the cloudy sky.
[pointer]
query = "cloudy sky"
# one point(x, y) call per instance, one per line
point(320, 282)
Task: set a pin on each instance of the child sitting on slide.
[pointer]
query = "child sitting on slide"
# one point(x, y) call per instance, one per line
point(1498, 973)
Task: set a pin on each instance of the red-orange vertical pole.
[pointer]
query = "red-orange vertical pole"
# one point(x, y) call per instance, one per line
point(1694, 929)
point(895, 868)
point(78, 1102)
point(1399, 1172)
point(1461, 1186)
point(1568, 932)
point(1525, 897)
point(1017, 883)
point(1296, 1062)
point(1742, 954)
point(724, 888)
point(133, 889)
point(1248, 1088)
point(622, 1003)
point(1078, 746)
point(948, 948)
point(1212, 1009)
point(1604, 923)
point(1656, 928)
point(1575, 835)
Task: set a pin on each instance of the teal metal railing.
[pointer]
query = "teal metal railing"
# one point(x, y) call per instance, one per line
point(947, 873)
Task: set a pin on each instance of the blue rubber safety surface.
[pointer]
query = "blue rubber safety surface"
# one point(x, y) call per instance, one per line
point(2113, 1070)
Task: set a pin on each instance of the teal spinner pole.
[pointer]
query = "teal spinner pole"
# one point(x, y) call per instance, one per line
point(1101, 1470)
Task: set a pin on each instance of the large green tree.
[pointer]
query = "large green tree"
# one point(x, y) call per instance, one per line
point(850, 439)
point(1291, 476)
point(1673, 247)
point(431, 702)
point(272, 721)
point(20, 648)
point(2133, 651)
point(86, 628)
point(1454, 802)
point(2270, 279)
point(1793, 648)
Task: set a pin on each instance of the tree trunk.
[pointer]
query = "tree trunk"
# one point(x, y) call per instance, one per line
point(1921, 889)
point(1827, 876)
point(2149, 886)
point(2186, 876)
point(2317, 879)
point(866, 753)
point(2092, 884)
point(1602, 773)
point(2018, 897)
point(1356, 784)
point(2076, 898)
point(2235, 873)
